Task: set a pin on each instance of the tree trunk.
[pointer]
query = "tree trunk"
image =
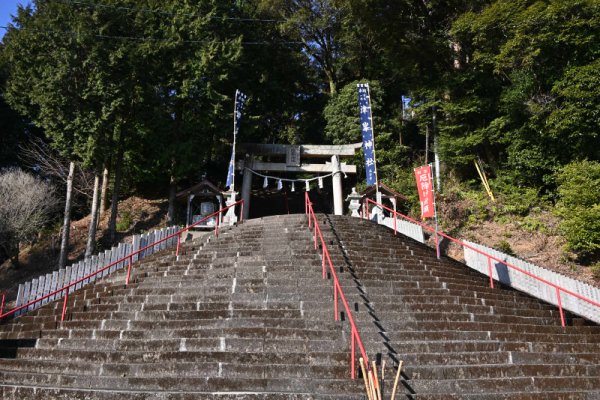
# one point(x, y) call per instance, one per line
point(91, 240)
point(114, 207)
point(104, 190)
point(64, 244)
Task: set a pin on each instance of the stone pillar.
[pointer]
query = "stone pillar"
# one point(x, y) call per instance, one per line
point(188, 220)
point(338, 200)
point(247, 186)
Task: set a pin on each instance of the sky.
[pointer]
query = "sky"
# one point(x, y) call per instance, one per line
point(8, 8)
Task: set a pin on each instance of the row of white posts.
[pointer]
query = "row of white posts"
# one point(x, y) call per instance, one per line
point(49, 283)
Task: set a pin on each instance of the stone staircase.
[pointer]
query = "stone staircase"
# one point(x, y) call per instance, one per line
point(242, 316)
point(247, 316)
point(458, 338)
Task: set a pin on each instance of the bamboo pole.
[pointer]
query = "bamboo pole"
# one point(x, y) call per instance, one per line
point(376, 379)
point(396, 381)
point(365, 378)
point(372, 382)
point(484, 180)
point(372, 395)
point(383, 378)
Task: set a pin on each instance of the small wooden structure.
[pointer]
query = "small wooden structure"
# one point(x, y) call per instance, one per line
point(385, 193)
point(201, 200)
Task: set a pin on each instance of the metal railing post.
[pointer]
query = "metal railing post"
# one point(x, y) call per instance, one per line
point(323, 262)
point(2, 305)
point(353, 355)
point(178, 244)
point(490, 271)
point(560, 307)
point(128, 271)
point(395, 230)
point(217, 227)
point(335, 300)
point(64, 308)
point(315, 234)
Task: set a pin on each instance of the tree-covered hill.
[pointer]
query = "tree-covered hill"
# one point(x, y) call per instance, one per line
point(139, 95)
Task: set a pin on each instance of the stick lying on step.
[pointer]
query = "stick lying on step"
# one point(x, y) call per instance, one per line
point(396, 381)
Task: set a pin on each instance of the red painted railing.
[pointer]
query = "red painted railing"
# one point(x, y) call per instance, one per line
point(490, 257)
point(338, 293)
point(128, 258)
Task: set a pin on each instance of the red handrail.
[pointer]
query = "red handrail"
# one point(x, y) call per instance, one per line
point(128, 257)
point(337, 289)
point(490, 257)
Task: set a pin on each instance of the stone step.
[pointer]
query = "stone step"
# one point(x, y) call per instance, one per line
point(229, 332)
point(334, 357)
point(268, 344)
point(192, 384)
point(515, 384)
point(255, 369)
point(507, 371)
point(38, 393)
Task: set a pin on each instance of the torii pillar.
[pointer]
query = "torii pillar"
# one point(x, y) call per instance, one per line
point(338, 198)
point(247, 187)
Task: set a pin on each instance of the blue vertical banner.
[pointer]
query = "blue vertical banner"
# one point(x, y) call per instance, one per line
point(240, 101)
point(368, 138)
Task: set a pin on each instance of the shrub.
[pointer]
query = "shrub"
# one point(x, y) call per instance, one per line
point(595, 268)
point(579, 207)
point(505, 248)
point(26, 203)
point(124, 222)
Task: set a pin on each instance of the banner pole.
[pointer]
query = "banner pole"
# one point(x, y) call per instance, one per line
point(373, 135)
point(235, 101)
point(437, 236)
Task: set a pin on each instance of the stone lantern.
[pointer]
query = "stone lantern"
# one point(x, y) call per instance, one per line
point(354, 199)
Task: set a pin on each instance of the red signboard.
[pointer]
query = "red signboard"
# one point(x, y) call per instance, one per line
point(425, 188)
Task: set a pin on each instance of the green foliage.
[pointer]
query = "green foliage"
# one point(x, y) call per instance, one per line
point(579, 207)
point(504, 247)
point(125, 221)
point(595, 269)
point(526, 87)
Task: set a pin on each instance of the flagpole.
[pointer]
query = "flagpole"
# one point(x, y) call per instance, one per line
point(437, 236)
point(373, 134)
point(232, 187)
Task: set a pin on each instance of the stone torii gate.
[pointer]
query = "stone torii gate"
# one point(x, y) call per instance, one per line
point(298, 158)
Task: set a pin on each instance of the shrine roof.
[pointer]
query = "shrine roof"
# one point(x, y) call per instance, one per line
point(386, 191)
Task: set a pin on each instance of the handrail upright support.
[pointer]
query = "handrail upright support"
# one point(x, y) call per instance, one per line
point(323, 263)
point(2, 305)
point(128, 271)
point(178, 244)
point(64, 308)
point(353, 356)
point(490, 272)
point(335, 301)
point(560, 307)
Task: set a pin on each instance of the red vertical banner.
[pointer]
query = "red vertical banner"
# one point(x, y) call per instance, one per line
point(425, 188)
